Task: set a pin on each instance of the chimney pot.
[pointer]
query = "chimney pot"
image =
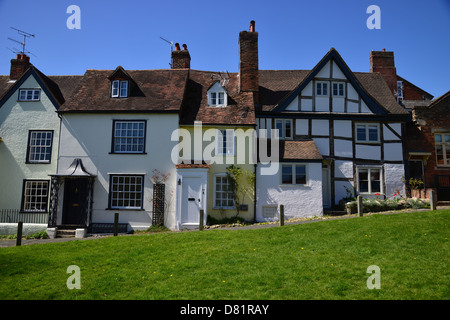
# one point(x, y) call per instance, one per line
point(384, 50)
point(252, 26)
point(177, 46)
point(184, 46)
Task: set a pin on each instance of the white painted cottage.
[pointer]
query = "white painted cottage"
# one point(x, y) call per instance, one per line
point(115, 146)
point(29, 131)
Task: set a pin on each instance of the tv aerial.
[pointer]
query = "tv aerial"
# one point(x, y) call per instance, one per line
point(22, 43)
point(171, 49)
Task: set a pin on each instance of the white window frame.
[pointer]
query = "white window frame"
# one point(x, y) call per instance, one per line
point(130, 192)
point(217, 98)
point(116, 88)
point(366, 127)
point(29, 94)
point(445, 145)
point(131, 139)
point(40, 144)
point(228, 138)
point(294, 174)
point(321, 84)
point(369, 180)
point(35, 195)
point(227, 193)
point(283, 128)
point(339, 84)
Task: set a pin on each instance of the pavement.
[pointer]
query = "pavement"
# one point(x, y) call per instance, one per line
point(12, 242)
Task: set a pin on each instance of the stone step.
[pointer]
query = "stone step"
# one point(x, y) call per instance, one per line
point(65, 233)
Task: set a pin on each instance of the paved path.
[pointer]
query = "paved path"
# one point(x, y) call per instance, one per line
point(12, 243)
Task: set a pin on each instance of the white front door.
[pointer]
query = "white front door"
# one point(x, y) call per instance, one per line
point(192, 200)
point(326, 197)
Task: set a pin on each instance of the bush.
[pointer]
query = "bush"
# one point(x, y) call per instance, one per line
point(377, 205)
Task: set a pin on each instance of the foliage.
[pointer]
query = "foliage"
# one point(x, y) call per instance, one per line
point(377, 205)
point(241, 184)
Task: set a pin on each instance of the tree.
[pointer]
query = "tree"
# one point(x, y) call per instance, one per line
point(241, 183)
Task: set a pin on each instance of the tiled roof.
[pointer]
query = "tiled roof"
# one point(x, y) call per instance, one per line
point(240, 108)
point(155, 90)
point(299, 150)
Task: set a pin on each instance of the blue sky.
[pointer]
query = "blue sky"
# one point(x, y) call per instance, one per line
point(292, 35)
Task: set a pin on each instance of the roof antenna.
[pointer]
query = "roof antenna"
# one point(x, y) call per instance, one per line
point(171, 49)
point(25, 36)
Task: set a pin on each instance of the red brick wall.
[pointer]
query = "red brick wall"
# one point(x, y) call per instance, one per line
point(436, 117)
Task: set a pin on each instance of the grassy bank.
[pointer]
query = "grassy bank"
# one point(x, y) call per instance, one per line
point(321, 260)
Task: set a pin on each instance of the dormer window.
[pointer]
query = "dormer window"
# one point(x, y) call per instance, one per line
point(217, 96)
point(119, 88)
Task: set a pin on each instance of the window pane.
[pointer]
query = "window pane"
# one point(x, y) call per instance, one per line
point(286, 175)
point(341, 89)
point(438, 138)
point(373, 133)
point(35, 197)
point(300, 174)
point(221, 98)
point(325, 88)
point(129, 136)
point(288, 132)
point(127, 192)
point(360, 133)
point(439, 154)
point(319, 89)
point(40, 146)
point(213, 98)
point(123, 88)
point(447, 137)
point(335, 89)
point(115, 88)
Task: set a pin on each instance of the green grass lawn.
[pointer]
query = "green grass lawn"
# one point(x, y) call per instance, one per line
point(320, 260)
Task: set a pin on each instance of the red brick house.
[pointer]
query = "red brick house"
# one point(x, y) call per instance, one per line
point(427, 132)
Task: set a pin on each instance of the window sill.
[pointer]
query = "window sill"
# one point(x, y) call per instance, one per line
point(136, 153)
point(124, 209)
point(293, 185)
point(38, 162)
point(224, 208)
point(442, 167)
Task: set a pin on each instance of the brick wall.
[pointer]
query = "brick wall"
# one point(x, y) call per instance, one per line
point(248, 60)
point(433, 119)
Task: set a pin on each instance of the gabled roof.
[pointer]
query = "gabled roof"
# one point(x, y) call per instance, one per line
point(154, 91)
point(55, 87)
point(287, 85)
point(441, 99)
point(239, 110)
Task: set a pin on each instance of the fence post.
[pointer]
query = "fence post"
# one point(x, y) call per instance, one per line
point(19, 233)
point(116, 224)
point(432, 195)
point(202, 215)
point(360, 206)
point(281, 215)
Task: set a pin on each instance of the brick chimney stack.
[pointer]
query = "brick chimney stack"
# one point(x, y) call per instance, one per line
point(248, 60)
point(19, 66)
point(383, 62)
point(181, 59)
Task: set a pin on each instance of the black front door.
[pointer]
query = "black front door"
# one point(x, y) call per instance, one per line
point(75, 201)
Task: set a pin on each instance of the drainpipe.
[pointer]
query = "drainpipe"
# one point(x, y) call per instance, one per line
point(254, 195)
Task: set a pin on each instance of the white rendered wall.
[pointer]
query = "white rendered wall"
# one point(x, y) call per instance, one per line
point(298, 201)
point(16, 119)
point(89, 137)
point(394, 175)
